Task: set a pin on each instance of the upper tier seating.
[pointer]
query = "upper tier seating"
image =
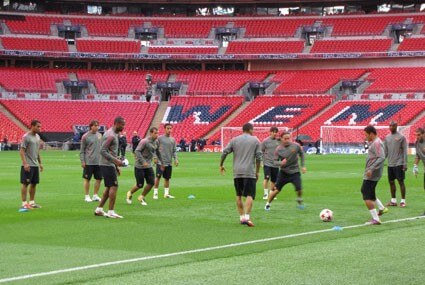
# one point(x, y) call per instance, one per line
point(31, 80)
point(412, 44)
point(213, 82)
point(60, 116)
point(120, 82)
point(312, 81)
point(34, 44)
point(335, 46)
point(265, 47)
point(9, 129)
point(194, 117)
point(363, 113)
point(33, 24)
point(401, 79)
point(183, 50)
point(279, 111)
point(269, 28)
point(184, 28)
point(107, 27)
point(108, 46)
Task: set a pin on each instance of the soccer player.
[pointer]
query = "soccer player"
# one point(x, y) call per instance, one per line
point(145, 152)
point(109, 166)
point(167, 148)
point(396, 152)
point(31, 165)
point(89, 157)
point(420, 151)
point(247, 158)
point(373, 172)
point(286, 157)
point(268, 147)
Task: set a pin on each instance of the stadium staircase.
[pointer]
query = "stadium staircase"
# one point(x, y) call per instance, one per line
point(1, 45)
point(217, 129)
point(159, 115)
point(12, 118)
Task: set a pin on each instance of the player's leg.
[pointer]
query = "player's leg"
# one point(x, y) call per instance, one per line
point(249, 191)
point(112, 198)
point(267, 174)
point(86, 186)
point(98, 179)
point(34, 180)
point(281, 181)
point(157, 180)
point(296, 181)
point(369, 198)
point(24, 187)
point(139, 176)
point(109, 180)
point(400, 175)
point(238, 184)
point(150, 181)
point(167, 176)
point(391, 181)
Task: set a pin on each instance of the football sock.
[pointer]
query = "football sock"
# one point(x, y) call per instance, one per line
point(111, 212)
point(99, 209)
point(242, 217)
point(374, 214)
point(24, 203)
point(393, 200)
point(403, 201)
point(266, 191)
point(155, 191)
point(88, 196)
point(247, 217)
point(32, 202)
point(268, 204)
point(166, 191)
point(380, 205)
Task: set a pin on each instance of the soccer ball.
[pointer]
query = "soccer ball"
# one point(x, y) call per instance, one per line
point(125, 162)
point(326, 215)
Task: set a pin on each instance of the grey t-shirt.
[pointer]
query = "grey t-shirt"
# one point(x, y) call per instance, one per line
point(375, 160)
point(292, 153)
point(167, 148)
point(109, 148)
point(396, 149)
point(145, 151)
point(420, 151)
point(268, 147)
point(246, 152)
point(31, 144)
point(90, 148)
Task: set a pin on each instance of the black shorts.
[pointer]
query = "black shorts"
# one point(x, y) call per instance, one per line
point(110, 176)
point(271, 173)
point(166, 173)
point(368, 190)
point(396, 172)
point(30, 177)
point(90, 170)
point(285, 178)
point(245, 186)
point(142, 174)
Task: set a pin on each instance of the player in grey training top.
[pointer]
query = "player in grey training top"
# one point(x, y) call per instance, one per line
point(396, 153)
point(109, 165)
point(286, 157)
point(268, 147)
point(373, 172)
point(167, 148)
point(145, 151)
point(420, 152)
point(247, 158)
point(89, 157)
point(31, 165)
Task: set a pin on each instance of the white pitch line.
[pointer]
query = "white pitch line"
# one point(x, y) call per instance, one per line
point(79, 268)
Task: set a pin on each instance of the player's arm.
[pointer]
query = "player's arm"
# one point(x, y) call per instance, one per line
point(83, 151)
point(24, 160)
point(104, 151)
point(379, 156)
point(259, 158)
point(158, 156)
point(278, 161)
point(176, 161)
point(39, 161)
point(302, 158)
point(138, 152)
point(228, 149)
point(386, 148)
point(405, 146)
point(415, 164)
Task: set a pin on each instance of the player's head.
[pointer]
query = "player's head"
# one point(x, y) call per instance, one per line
point(168, 128)
point(135, 133)
point(153, 133)
point(393, 127)
point(35, 126)
point(119, 124)
point(94, 126)
point(370, 133)
point(420, 132)
point(273, 132)
point(285, 138)
point(248, 128)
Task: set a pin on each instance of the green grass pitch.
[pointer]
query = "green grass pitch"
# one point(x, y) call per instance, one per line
point(65, 234)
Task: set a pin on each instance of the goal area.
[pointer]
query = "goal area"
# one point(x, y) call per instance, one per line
point(351, 139)
point(228, 133)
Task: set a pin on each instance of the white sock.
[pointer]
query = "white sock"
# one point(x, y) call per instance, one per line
point(155, 191)
point(403, 201)
point(99, 209)
point(393, 200)
point(166, 191)
point(32, 202)
point(268, 204)
point(247, 217)
point(242, 217)
point(266, 191)
point(374, 214)
point(379, 203)
point(24, 203)
point(95, 196)
point(88, 196)
point(111, 212)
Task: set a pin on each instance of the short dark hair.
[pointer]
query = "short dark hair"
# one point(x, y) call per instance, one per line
point(420, 130)
point(370, 129)
point(167, 124)
point(34, 123)
point(93, 122)
point(151, 130)
point(118, 120)
point(274, 130)
point(247, 127)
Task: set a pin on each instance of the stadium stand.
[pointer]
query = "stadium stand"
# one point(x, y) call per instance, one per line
point(183, 50)
point(107, 27)
point(187, 28)
point(420, 123)
point(412, 44)
point(359, 45)
point(401, 79)
point(34, 43)
point(138, 115)
point(265, 47)
point(108, 46)
point(37, 25)
point(271, 28)
point(9, 129)
point(195, 116)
